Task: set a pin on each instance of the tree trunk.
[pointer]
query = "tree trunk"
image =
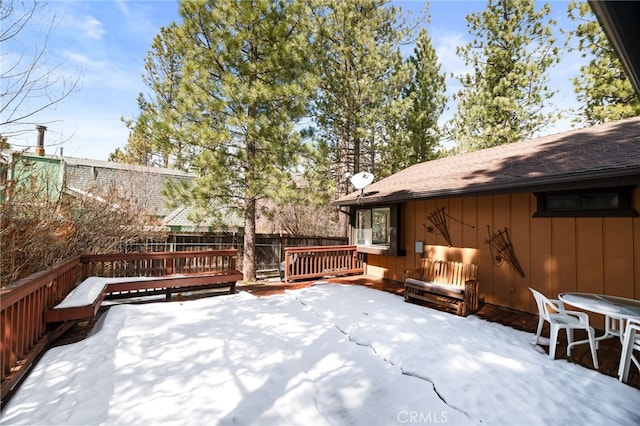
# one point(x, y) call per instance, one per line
point(249, 258)
point(343, 221)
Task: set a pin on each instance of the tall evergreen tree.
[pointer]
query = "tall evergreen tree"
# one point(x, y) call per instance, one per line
point(243, 86)
point(361, 75)
point(503, 100)
point(603, 88)
point(426, 90)
point(155, 135)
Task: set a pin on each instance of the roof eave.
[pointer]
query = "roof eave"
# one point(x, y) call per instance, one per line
point(617, 177)
point(619, 21)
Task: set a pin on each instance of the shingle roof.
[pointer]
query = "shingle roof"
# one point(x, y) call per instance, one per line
point(585, 157)
point(180, 217)
point(73, 161)
point(143, 183)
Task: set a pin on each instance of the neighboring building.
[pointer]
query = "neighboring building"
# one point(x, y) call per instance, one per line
point(144, 185)
point(179, 221)
point(44, 172)
point(568, 201)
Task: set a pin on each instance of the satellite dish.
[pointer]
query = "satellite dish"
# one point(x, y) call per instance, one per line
point(361, 180)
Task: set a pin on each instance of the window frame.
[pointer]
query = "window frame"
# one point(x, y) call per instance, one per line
point(623, 194)
point(390, 234)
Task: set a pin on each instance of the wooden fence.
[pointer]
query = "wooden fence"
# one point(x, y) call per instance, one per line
point(155, 264)
point(269, 249)
point(322, 261)
point(24, 335)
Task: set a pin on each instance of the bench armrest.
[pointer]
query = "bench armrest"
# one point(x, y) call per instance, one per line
point(471, 298)
point(412, 273)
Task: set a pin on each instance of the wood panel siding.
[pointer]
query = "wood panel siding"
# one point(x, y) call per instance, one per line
point(589, 254)
point(469, 228)
point(563, 244)
point(520, 231)
point(636, 247)
point(486, 270)
point(618, 256)
point(540, 263)
point(557, 254)
point(502, 282)
point(454, 211)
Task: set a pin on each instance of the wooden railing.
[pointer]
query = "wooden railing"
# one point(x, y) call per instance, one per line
point(24, 335)
point(322, 261)
point(157, 264)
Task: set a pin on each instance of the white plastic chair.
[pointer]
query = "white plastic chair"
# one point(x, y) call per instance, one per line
point(631, 343)
point(558, 317)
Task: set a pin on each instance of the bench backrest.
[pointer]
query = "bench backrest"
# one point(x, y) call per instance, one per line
point(447, 271)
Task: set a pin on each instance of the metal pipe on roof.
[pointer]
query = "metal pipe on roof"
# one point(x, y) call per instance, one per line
point(40, 145)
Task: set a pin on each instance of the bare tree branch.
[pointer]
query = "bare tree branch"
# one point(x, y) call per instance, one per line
point(27, 84)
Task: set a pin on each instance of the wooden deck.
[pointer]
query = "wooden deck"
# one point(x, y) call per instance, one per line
point(608, 352)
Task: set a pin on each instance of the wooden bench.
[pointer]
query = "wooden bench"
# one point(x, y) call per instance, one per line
point(453, 285)
point(85, 300)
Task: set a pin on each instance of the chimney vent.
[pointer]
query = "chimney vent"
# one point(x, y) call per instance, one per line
point(40, 146)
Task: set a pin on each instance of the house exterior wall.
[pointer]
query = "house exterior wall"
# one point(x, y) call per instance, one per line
point(48, 174)
point(559, 254)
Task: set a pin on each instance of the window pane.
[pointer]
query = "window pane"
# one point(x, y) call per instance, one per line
point(363, 227)
point(599, 201)
point(561, 202)
point(380, 224)
point(595, 202)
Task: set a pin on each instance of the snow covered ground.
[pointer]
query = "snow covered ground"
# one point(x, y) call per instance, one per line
point(323, 355)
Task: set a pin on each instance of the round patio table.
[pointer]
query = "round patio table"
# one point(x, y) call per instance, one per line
point(616, 310)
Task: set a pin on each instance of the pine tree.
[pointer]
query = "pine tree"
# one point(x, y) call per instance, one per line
point(361, 76)
point(233, 108)
point(603, 88)
point(155, 135)
point(503, 100)
point(426, 89)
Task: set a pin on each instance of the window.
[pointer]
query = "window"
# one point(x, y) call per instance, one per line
point(363, 228)
point(380, 225)
point(375, 230)
point(373, 226)
point(586, 203)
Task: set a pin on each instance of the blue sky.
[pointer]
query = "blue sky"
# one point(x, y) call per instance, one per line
point(105, 43)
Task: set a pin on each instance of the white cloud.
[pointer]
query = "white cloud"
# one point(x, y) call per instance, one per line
point(446, 43)
point(91, 27)
point(122, 7)
point(109, 75)
point(84, 60)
